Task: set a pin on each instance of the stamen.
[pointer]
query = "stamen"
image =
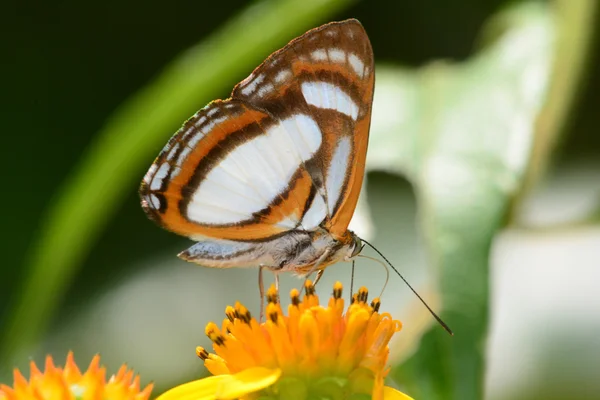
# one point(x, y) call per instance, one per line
point(230, 313)
point(272, 312)
point(213, 333)
point(202, 353)
point(242, 313)
point(272, 295)
point(336, 303)
point(363, 295)
point(309, 288)
point(295, 297)
point(375, 304)
point(337, 290)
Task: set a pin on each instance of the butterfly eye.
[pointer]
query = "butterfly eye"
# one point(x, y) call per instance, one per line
point(357, 247)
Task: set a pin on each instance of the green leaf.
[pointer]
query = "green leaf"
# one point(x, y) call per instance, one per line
point(129, 141)
point(463, 134)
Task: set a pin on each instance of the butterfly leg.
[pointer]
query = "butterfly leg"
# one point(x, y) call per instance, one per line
point(261, 289)
point(316, 268)
point(276, 281)
point(319, 275)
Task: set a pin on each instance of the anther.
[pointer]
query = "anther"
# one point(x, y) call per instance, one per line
point(375, 304)
point(337, 290)
point(295, 297)
point(272, 313)
point(201, 353)
point(272, 295)
point(242, 313)
point(309, 288)
point(363, 294)
point(227, 325)
point(230, 313)
point(212, 331)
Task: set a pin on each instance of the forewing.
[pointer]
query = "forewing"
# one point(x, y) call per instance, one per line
point(328, 75)
point(286, 152)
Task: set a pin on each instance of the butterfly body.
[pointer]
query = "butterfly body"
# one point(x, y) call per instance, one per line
point(270, 177)
point(299, 252)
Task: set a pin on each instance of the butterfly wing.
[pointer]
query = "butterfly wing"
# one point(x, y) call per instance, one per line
point(224, 174)
point(286, 152)
point(327, 74)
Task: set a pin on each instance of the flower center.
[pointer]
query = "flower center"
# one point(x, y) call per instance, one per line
point(316, 348)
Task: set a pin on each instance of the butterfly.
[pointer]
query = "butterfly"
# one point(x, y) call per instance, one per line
point(270, 177)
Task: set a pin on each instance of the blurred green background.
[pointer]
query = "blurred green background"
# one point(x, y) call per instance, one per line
point(83, 83)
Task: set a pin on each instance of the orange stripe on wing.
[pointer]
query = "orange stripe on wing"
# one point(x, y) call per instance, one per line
point(175, 222)
point(338, 224)
point(221, 131)
point(293, 204)
point(291, 207)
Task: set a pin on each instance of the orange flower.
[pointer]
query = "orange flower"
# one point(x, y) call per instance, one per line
point(68, 383)
point(312, 352)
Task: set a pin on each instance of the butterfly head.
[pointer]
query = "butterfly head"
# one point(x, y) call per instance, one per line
point(355, 246)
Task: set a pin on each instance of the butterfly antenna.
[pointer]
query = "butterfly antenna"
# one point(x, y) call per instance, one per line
point(438, 319)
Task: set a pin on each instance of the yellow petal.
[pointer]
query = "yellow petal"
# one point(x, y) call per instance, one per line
point(393, 394)
point(248, 381)
point(309, 330)
point(202, 389)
